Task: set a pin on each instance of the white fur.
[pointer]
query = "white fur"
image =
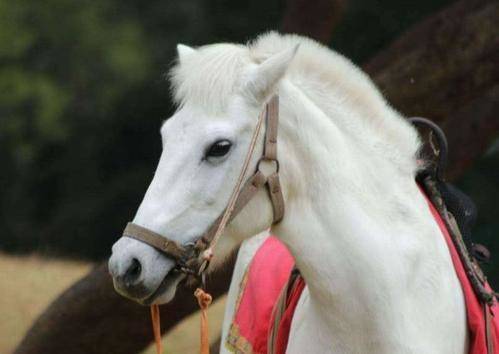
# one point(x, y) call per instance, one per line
point(379, 275)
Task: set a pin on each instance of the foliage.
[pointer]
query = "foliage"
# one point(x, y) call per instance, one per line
point(82, 99)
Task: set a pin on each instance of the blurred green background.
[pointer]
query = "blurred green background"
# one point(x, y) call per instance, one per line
point(83, 95)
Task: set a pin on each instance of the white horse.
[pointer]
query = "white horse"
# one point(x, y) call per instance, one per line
point(379, 274)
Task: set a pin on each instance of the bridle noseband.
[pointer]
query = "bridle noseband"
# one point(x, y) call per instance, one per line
point(193, 258)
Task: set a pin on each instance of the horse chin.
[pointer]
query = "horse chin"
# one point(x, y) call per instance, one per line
point(165, 291)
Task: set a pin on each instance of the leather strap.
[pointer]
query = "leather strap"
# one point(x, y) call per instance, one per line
point(272, 120)
point(156, 328)
point(242, 193)
point(276, 196)
point(163, 244)
point(270, 154)
point(279, 309)
point(488, 329)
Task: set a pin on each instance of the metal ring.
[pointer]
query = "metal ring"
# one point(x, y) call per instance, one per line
point(277, 166)
point(441, 141)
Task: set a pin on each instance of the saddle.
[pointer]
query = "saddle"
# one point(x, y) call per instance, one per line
point(460, 205)
point(458, 213)
point(456, 208)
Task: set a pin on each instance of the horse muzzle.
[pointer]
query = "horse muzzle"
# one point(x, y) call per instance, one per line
point(141, 273)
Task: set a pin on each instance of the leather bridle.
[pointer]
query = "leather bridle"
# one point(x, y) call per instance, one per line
point(194, 258)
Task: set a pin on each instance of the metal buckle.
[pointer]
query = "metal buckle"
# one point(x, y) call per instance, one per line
point(189, 253)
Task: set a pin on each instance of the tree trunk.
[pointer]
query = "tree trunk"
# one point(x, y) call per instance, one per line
point(315, 19)
point(90, 317)
point(446, 69)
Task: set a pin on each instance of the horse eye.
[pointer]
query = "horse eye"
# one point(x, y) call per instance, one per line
point(218, 149)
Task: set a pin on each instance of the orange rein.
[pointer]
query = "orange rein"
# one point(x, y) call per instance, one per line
point(156, 328)
point(204, 300)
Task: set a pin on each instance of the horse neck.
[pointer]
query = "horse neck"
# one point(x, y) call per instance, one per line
point(351, 215)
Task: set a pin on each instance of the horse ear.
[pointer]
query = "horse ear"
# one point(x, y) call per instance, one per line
point(184, 51)
point(264, 78)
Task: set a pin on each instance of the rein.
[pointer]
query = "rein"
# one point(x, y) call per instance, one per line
point(193, 259)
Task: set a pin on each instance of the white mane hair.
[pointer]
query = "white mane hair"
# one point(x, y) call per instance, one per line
point(328, 79)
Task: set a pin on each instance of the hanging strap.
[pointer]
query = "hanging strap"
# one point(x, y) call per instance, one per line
point(156, 328)
point(204, 300)
point(282, 313)
point(488, 329)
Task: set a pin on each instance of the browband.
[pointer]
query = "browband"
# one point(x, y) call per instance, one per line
point(188, 256)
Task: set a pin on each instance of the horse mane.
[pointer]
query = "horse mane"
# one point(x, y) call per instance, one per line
point(328, 79)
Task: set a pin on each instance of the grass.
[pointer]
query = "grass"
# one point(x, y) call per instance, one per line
point(28, 284)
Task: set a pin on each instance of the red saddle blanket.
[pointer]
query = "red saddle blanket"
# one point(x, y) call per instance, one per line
point(269, 272)
point(266, 276)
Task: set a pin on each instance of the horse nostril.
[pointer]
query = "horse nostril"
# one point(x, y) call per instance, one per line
point(133, 272)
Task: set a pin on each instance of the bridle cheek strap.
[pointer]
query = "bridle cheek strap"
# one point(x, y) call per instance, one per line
point(276, 197)
point(270, 154)
point(188, 256)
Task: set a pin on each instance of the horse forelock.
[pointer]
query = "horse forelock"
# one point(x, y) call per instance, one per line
point(209, 77)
